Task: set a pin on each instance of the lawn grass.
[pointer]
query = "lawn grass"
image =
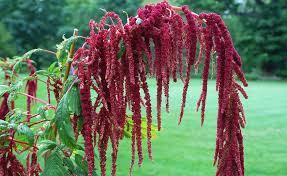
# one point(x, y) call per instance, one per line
point(187, 150)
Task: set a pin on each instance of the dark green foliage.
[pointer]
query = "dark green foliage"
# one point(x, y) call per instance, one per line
point(258, 26)
point(264, 38)
point(55, 165)
point(7, 45)
point(259, 31)
point(63, 122)
point(32, 23)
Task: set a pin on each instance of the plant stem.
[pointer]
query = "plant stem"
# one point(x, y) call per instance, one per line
point(41, 121)
point(21, 142)
point(35, 98)
point(70, 55)
point(48, 51)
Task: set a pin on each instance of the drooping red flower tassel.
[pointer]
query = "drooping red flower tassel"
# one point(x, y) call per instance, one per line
point(33, 167)
point(48, 83)
point(230, 155)
point(177, 45)
point(165, 60)
point(4, 108)
point(191, 48)
point(148, 111)
point(85, 96)
point(31, 88)
point(208, 46)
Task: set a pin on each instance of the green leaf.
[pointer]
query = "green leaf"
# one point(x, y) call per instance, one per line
point(63, 123)
point(81, 163)
point(54, 165)
point(42, 112)
point(3, 89)
point(42, 72)
point(46, 145)
point(3, 125)
point(63, 49)
point(69, 163)
point(74, 100)
point(25, 130)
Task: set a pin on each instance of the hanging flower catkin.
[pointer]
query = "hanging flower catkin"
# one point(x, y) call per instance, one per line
point(31, 87)
point(116, 59)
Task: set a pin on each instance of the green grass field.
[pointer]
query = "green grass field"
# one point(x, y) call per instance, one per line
point(187, 150)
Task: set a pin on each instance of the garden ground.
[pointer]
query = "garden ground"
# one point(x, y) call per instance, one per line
point(187, 150)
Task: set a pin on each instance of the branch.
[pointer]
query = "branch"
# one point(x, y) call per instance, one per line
point(41, 121)
point(21, 142)
point(70, 55)
point(37, 99)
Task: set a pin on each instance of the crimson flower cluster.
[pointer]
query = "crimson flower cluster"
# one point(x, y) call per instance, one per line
point(31, 88)
point(10, 165)
point(116, 59)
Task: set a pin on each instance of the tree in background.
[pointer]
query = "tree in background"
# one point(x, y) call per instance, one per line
point(264, 38)
point(77, 13)
point(7, 45)
point(32, 23)
point(257, 26)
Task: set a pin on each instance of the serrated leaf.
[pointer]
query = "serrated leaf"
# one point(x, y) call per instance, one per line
point(63, 123)
point(46, 145)
point(42, 112)
point(54, 165)
point(3, 89)
point(81, 163)
point(63, 49)
point(26, 131)
point(74, 100)
point(69, 163)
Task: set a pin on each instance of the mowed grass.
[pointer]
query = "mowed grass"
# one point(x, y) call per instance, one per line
point(187, 150)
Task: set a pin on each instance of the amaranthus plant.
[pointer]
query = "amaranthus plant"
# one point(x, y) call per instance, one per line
point(94, 92)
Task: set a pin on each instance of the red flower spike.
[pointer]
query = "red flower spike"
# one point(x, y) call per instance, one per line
point(48, 83)
point(208, 46)
point(129, 53)
point(31, 88)
point(177, 44)
point(148, 111)
point(4, 108)
point(117, 81)
point(165, 62)
point(85, 96)
point(191, 47)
